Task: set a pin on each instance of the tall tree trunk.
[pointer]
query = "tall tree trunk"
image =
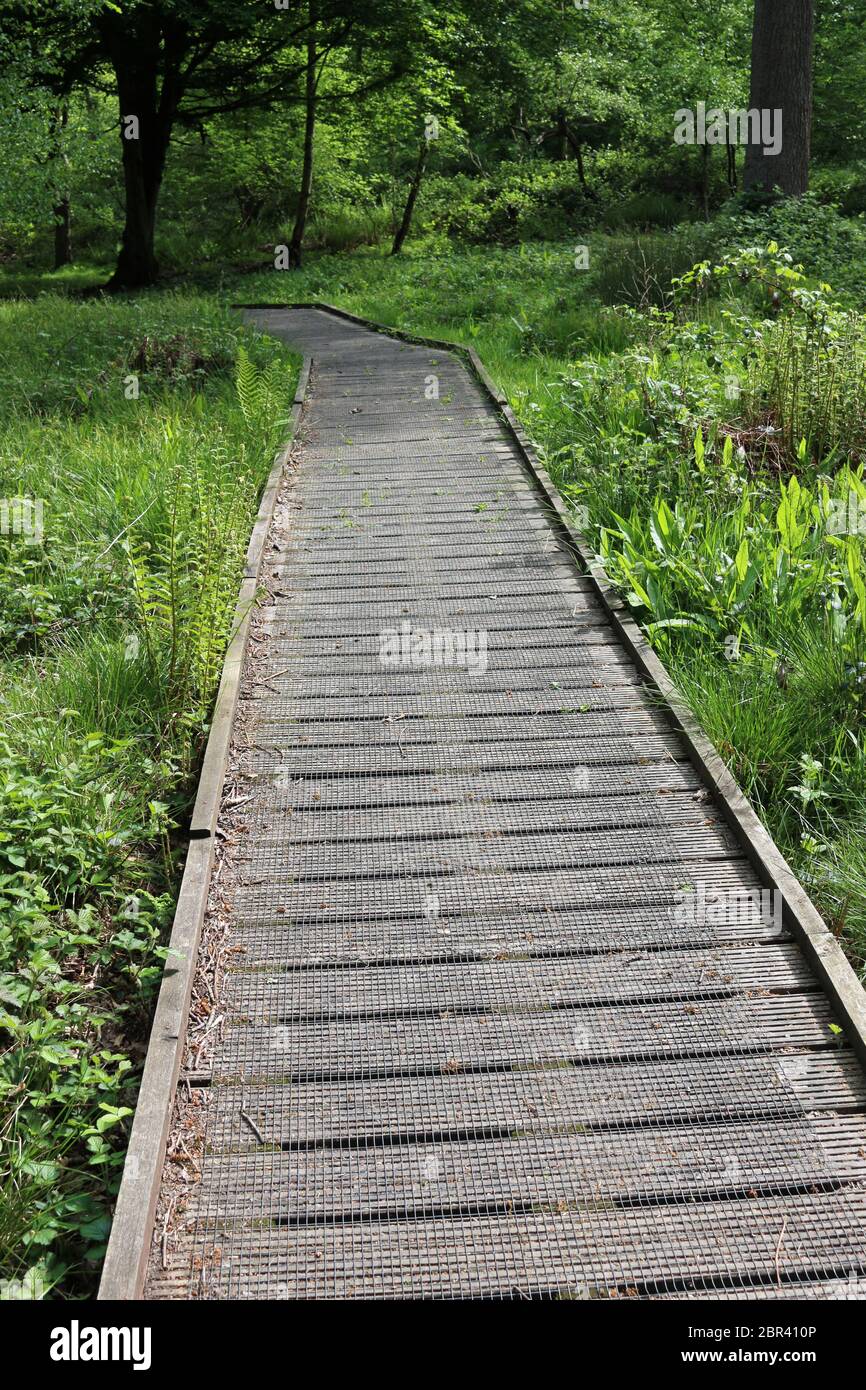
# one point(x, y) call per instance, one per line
point(143, 167)
point(414, 189)
point(147, 109)
point(782, 42)
point(62, 207)
point(311, 84)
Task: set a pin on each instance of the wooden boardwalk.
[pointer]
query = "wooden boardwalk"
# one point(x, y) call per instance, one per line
point(504, 1012)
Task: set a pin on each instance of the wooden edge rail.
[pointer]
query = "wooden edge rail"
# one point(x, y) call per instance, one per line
point(126, 1259)
point(799, 913)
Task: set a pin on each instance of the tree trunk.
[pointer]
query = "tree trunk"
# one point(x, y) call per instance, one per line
point(578, 154)
point(782, 43)
point(62, 233)
point(311, 83)
point(143, 168)
point(563, 136)
point(147, 113)
point(414, 188)
point(62, 208)
point(732, 166)
point(705, 181)
point(142, 180)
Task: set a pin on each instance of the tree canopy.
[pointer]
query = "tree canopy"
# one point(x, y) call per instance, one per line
point(153, 125)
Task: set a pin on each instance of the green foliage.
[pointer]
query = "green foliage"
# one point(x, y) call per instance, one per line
point(741, 571)
point(261, 392)
point(642, 271)
point(519, 201)
point(827, 244)
point(805, 358)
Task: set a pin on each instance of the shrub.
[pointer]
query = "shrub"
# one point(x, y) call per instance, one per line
point(804, 360)
point(646, 210)
point(520, 202)
point(641, 271)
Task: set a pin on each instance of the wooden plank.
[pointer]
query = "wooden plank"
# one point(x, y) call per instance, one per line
point(325, 864)
point(549, 890)
point(367, 1046)
point(297, 659)
point(639, 1165)
point(586, 1254)
point(281, 942)
point(459, 754)
point(446, 788)
point(299, 823)
point(515, 986)
point(350, 1113)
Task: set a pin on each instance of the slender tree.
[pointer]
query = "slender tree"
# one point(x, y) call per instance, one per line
point(312, 76)
point(435, 40)
point(63, 205)
point(412, 197)
point(782, 42)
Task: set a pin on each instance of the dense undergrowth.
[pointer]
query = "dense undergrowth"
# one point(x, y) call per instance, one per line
point(131, 466)
point(709, 426)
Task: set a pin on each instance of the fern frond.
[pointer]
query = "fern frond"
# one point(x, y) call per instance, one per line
point(249, 387)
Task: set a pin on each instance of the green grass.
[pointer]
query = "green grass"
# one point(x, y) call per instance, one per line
point(19, 282)
point(145, 430)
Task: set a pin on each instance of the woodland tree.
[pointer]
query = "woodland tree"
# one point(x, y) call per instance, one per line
point(782, 44)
